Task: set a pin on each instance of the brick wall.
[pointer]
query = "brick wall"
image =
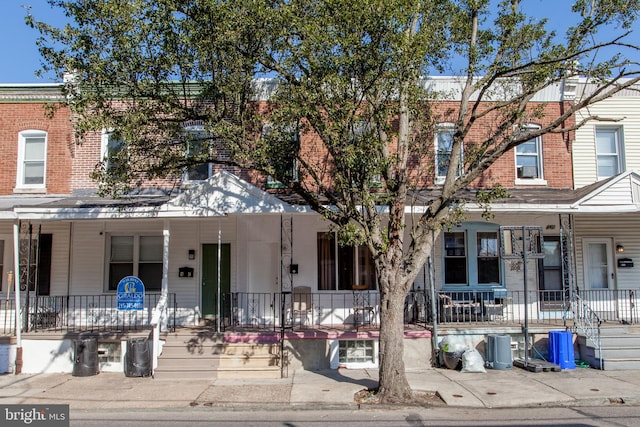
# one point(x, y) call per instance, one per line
point(18, 117)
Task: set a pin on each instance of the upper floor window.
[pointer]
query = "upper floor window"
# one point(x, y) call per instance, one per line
point(609, 152)
point(340, 268)
point(288, 166)
point(32, 155)
point(112, 144)
point(139, 256)
point(529, 159)
point(198, 147)
point(443, 147)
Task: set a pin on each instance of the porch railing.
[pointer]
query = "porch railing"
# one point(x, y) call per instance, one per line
point(327, 309)
point(82, 313)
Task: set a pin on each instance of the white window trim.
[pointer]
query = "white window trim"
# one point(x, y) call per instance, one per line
point(334, 355)
point(185, 175)
point(441, 127)
point(540, 157)
point(619, 147)
point(20, 186)
point(136, 255)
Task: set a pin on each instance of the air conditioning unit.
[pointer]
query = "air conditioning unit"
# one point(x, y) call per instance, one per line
point(528, 172)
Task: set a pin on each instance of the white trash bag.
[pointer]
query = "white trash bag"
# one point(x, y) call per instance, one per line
point(472, 361)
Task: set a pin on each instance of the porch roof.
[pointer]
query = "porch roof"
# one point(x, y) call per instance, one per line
point(226, 194)
point(220, 195)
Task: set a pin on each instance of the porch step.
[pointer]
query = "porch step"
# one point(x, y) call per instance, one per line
point(200, 353)
point(620, 348)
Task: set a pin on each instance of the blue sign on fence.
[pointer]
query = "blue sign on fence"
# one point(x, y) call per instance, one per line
point(130, 294)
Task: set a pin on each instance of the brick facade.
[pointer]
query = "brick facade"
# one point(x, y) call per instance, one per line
point(16, 117)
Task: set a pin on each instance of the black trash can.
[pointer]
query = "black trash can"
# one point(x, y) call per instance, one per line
point(85, 357)
point(137, 360)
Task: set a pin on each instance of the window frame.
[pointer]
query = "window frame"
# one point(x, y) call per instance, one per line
point(198, 128)
point(135, 261)
point(23, 136)
point(471, 231)
point(539, 160)
point(106, 146)
point(442, 128)
point(272, 182)
point(337, 256)
point(617, 131)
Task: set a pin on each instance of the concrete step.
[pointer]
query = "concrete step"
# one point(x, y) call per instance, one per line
point(620, 345)
point(198, 353)
point(621, 364)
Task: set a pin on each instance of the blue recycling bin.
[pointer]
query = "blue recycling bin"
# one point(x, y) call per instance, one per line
point(561, 349)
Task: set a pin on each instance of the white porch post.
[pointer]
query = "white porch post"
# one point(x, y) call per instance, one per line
point(164, 295)
point(16, 281)
point(164, 292)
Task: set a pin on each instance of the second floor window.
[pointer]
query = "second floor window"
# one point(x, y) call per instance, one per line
point(112, 144)
point(609, 153)
point(443, 147)
point(340, 268)
point(529, 159)
point(197, 142)
point(32, 155)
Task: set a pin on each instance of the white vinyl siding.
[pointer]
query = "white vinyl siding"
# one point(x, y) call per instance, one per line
point(625, 109)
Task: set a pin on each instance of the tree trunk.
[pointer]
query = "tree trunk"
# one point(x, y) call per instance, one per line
point(393, 386)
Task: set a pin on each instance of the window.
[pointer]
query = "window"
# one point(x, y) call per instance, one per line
point(139, 256)
point(353, 354)
point(443, 147)
point(197, 146)
point(339, 268)
point(32, 154)
point(472, 256)
point(455, 258)
point(112, 144)
point(609, 152)
point(287, 141)
point(529, 159)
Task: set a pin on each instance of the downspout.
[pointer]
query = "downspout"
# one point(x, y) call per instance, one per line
point(16, 281)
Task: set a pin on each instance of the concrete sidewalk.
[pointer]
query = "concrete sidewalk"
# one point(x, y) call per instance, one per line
point(325, 389)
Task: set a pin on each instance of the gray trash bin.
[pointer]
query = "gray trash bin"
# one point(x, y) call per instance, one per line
point(498, 352)
point(137, 360)
point(85, 357)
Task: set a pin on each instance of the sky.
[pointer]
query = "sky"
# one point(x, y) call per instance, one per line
point(21, 59)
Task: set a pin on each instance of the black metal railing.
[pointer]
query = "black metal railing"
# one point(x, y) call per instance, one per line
point(80, 313)
point(322, 309)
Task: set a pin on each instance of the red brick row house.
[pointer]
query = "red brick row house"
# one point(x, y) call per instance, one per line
point(231, 253)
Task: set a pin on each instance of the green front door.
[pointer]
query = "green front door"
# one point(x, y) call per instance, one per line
point(210, 278)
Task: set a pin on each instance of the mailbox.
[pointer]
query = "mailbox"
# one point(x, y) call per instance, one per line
point(185, 272)
point(625, 262)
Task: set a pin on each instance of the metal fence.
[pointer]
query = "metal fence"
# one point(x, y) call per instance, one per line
point(81, 313)
point(323, 309)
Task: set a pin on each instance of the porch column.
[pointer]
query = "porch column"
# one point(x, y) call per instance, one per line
point(164, 290)
point(16, 282)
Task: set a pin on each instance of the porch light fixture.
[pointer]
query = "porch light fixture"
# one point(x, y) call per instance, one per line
point(619, 249)
point(192, 254)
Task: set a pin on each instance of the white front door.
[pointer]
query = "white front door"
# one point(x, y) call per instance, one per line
point(598, 269)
